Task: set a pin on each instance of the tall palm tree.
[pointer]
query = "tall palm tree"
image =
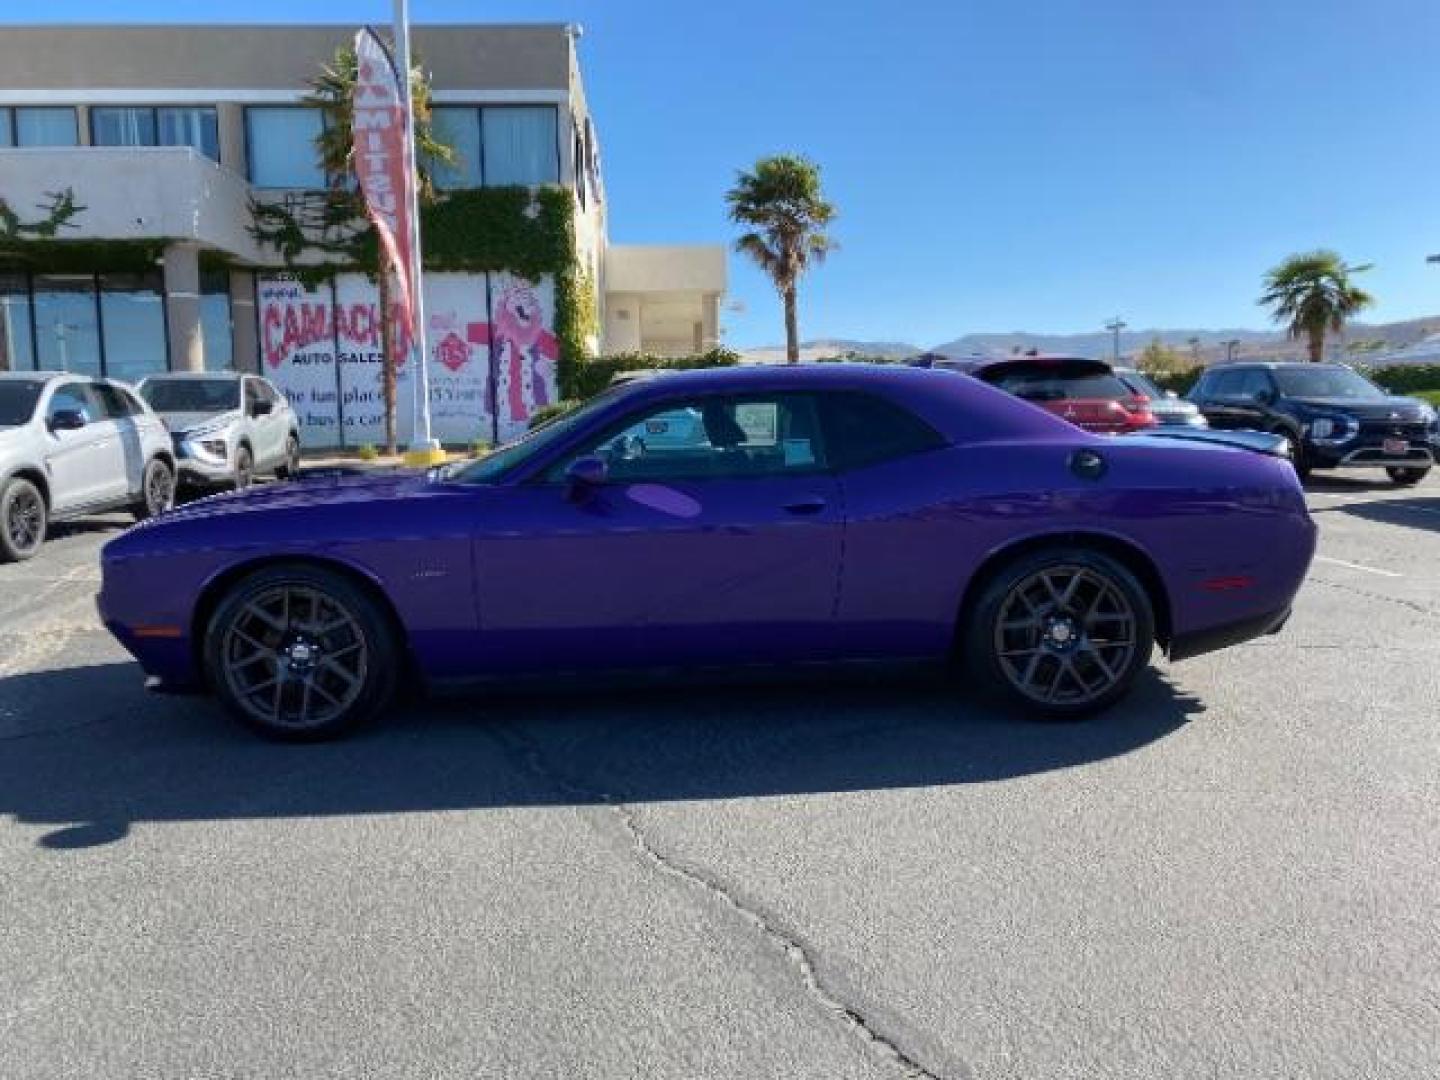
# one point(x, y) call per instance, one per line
point(1312, 293)
point(782, 202)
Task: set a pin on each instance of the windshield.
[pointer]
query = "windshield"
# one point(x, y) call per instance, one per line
point(192, 395)
point(1325, 382)
point(491, 467)
point(17, 401)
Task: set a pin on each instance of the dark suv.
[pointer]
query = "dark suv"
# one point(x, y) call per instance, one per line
point(1333, 417)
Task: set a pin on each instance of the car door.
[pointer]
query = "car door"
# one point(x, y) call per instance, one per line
point(272, 426)
point(1255, 400)
point(720, 545)
point(124, 456)
point(75, 459)
point(1220, 400)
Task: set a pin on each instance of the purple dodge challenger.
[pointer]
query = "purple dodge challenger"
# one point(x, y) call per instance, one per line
point(741, 516)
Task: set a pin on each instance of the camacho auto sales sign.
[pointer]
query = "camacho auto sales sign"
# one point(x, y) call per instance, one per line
point(382, 164)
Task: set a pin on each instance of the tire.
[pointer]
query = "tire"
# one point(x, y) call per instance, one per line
point(244, 468)
point(1031, 642)
point(289, 469)
point(1408, 477)
point(1297, 454)
point(288, 678)
point(24, 520)
point(157, 490)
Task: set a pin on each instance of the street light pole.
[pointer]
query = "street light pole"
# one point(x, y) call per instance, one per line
point(421, 443)
point(1115, 325)
point(1230, 347)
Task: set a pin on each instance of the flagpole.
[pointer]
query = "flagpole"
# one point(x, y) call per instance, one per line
point(420, 439)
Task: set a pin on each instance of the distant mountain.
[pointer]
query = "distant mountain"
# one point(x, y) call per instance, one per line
point(1208, 346)
point(824, 349)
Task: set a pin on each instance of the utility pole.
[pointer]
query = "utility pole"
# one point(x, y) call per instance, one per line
point(1115, 325)
point(1230, 347)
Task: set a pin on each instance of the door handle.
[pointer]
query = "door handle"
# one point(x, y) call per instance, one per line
point(811, 504)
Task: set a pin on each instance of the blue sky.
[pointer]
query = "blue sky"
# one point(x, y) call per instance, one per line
point(1004, 165)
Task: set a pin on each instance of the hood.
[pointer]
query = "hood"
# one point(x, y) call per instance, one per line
point(183, 422)
point(322, 489)
point(1388, 408)
point(1173, 407)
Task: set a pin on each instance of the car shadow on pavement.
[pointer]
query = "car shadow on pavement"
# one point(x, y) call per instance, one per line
point(85, 753)
point(1421, 514)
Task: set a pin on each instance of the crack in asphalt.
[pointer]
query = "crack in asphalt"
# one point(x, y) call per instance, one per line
point(790, 946)
point(1411, 604)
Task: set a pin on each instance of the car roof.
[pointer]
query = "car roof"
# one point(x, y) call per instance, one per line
point(186, 376)
point(30, 376)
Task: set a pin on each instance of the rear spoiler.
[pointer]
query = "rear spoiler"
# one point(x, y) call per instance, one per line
point(1257, 442)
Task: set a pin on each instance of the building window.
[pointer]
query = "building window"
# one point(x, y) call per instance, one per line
point(39, 126)
point(281, 143)
point(215, 321)
point(459, 129)
point(132, 320)
point(122, 127)
point(67, 323)
point(520, 145)
point(197, 128)
point(17, 351)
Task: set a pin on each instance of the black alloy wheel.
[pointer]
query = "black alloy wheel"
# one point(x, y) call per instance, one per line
point(23, 520)
point(1063, 632)
point(301, 653)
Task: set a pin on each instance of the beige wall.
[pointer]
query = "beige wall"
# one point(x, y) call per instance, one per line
point(243, 57)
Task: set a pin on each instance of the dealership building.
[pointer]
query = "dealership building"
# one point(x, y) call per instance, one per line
point(164, 135)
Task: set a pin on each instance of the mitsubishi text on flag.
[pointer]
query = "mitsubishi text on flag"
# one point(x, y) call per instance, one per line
point(382, 163)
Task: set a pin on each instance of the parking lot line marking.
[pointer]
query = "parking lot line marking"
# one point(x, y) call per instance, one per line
point(1356, 566)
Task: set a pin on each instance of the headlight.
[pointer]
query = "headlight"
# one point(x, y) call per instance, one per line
point(1428, 413)
point(213, 448)
point(1333, 429)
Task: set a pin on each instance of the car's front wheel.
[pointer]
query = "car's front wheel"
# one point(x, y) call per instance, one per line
point(157, 490)
point(1298, 457)
point(1063, 632)
point(244, 468)
point(1406, 477)
point(23, 520)
point(301, 653)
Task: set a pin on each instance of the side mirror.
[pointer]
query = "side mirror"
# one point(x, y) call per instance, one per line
point(1263, 397)
point(584, 475)
point(262, 408)
point(67, 420)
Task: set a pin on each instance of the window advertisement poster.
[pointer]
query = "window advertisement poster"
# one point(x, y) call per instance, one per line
point(362, 387)
point(524, 348)
point(457, 321)
point(297, 351)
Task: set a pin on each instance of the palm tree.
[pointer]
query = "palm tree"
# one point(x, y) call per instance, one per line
point(782, 202)
point(1313, 294)
point(332, 223)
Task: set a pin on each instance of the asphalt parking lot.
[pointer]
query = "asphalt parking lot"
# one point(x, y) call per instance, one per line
point(1235, 874)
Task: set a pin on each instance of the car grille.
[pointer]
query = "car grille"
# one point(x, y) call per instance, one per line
point(1395, 429)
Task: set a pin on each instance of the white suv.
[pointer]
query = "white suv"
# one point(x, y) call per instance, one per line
point(228, 427)
point(73, 445)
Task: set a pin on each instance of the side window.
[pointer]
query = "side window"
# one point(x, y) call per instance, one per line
point(711, 438)
point(1256, 381)
point(862, 429)
point(1225, 384)
point(74, 397)
point(265, 390)
point(115, 402)
point(252, 395)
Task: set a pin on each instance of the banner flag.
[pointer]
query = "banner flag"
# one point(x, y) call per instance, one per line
point(383, 166)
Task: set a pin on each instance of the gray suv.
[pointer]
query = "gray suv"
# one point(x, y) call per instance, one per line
point(228, 427)
point(72, 445)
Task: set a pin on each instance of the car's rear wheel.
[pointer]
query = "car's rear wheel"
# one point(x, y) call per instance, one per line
point(1408, 477)
point(1063, 632)
point(23, 520)
point(289, 469)
point(157, 490)
point(244, 468)
point(301, 653)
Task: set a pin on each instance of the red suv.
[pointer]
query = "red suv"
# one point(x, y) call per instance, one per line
point(1085, 392)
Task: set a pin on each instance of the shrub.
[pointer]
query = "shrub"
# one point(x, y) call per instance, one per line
point(588, 377)
point(546, 413)
point(368, 452)
point(1179, 381)
point(1407, 378)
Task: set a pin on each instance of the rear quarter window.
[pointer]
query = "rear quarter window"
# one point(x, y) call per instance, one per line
point(862, 429)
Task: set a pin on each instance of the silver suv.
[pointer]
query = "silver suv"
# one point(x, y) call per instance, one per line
point(72, 445)
point(228, 427)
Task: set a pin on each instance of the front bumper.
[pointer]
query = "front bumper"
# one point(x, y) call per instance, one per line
point(1368, 452)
